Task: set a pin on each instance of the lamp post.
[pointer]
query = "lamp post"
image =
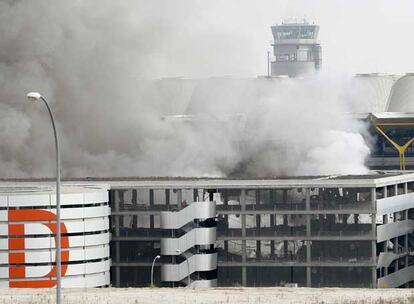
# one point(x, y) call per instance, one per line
point(188, 265)
point(35, 97)
point(152, 270)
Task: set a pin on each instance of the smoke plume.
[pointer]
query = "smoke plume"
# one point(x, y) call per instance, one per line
point(93, 62)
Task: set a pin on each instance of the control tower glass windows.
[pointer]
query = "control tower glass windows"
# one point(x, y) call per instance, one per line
point(307, 32)
point(294, 32)
point(283, 33)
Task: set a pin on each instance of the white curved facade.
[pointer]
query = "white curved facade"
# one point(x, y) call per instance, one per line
point(27, 237)
point(370, 92)
point(402, 95)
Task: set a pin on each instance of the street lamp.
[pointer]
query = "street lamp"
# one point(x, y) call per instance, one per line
point(188, 265)
point(152, 270)
point(35, 97)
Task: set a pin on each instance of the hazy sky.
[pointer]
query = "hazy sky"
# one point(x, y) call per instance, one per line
point(89, 58)
point(232, 37)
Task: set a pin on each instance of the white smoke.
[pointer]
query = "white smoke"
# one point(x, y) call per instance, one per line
point(89, 59)
point(335, 146)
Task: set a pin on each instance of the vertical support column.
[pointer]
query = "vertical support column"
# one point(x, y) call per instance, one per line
point(406, 241)
point(243, 226)
point(272, 242)
point(374, 236)
point(385, 221)
point(272, 221)
point(117, 246)
point(226, 249)
point(226, 220)
point(151, 203)
point(285, 224)
point(385, 249)
point(356, 217)
point(308, 242)
point(225, 197)
point(167, 197)
point(258, 225)
point(151, 207)
point(195, 195)
point(121, 203)
point(179, 198)
point(396, 265)
point(134, 204)
point(407, 285)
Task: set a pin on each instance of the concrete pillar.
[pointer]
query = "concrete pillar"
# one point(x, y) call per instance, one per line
point(272, 199)
point(258, 250)
point(385, 221)
point(225, 197)
point(151, 203)
point(195, 195)
point(272, 249)
point(285, 243)
point(117, 246)
point(244, 268)
point(179, 198)
point(243, 226)
point(211, 195)
point(406, 241)
point(285, 221)
point(117, 268)
point(356, 216)
point(258, 225)
point(308, 242)
point(226, 203)
point(167, 197)
point(272, 242)
point(121, 194)
point(374, 236)
point(396, 241)
point(134, 202)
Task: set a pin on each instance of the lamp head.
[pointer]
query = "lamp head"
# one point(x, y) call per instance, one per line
point(33, 96)
point(158, 256)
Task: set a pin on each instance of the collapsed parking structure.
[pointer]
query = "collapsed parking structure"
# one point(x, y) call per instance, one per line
point(345, 231)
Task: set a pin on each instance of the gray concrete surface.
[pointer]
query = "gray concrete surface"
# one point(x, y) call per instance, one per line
point(210, 296)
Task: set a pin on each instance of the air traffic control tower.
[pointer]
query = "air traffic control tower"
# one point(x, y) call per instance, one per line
point(296, 49)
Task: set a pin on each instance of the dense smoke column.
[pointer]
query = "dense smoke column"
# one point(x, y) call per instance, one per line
point(91, 62)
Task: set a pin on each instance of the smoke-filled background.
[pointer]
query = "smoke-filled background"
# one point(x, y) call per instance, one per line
point(106, 68)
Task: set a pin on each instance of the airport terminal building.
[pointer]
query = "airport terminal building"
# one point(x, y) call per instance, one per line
point(314, 231)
